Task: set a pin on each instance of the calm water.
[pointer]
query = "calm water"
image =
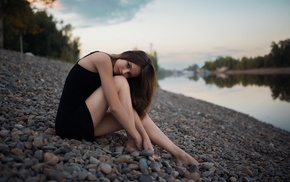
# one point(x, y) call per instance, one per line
point(266, 98)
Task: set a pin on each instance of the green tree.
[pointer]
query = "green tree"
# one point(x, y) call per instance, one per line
point(32, 30)
point(192, 67)
point(70, 52)
point(51, 42)
point(154, 58)
point(278, 57)
point(228, 62)
point(19, 22)
point(47, 43)
point(280, 53)
point(16, 19)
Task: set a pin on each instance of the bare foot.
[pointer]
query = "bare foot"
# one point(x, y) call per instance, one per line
point(186, 159)
point(131, 147)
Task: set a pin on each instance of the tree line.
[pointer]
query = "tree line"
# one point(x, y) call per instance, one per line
point(278, 57)
point(25, 28)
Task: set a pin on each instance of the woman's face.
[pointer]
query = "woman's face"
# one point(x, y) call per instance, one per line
point(126, 68)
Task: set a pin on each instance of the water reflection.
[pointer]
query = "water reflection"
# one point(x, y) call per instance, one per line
point(265, 97)
point(279, 84)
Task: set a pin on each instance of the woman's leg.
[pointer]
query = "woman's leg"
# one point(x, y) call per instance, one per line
point(98, 106)
point(105, 122)
point(159, 138)
point(110, 124)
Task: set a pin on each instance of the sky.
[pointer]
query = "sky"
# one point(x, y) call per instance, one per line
point(182, 32)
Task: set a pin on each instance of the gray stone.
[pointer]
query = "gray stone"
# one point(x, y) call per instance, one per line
point(7, 159)
point(39, 155)
point(94, 160)
point(193, 168)
point(206, 174)
point(4, 133)
point(38, 142)
point(30, 162)
point(120, 149)
point(146, 153)
point(4, 147)
point(145, 178)
point(125, 170)
point(56, 175)
point(208, 165)
point(82, 175)
point(105, 168)
point(123, 159)
point(143, 165)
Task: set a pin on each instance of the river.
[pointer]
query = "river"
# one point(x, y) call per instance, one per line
point(264, 97)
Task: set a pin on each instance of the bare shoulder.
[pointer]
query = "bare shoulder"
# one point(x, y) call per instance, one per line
point(100, 56)
point(93, 61)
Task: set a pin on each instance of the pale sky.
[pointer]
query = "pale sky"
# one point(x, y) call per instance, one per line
point(183, 32)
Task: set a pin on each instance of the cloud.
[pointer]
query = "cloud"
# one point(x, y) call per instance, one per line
point(99, 11)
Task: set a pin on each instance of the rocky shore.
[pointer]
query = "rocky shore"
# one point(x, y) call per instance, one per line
point(232, 145)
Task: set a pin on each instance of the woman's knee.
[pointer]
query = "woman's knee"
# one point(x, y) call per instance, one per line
point(121, 82)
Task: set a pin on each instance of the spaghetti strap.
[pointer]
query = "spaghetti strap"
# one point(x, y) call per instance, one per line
point(88, 55)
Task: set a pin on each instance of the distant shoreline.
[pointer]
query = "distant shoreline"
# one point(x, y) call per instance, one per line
point(260, 71)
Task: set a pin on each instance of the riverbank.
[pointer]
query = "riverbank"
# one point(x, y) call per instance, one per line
point(234, 146)
point(262, 71)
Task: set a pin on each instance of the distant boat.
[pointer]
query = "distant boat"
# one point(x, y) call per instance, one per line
point(204, 73)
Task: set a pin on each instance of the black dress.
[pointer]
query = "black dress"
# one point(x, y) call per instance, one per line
point(73, 119)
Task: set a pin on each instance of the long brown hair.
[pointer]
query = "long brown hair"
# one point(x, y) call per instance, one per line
point(142, 87)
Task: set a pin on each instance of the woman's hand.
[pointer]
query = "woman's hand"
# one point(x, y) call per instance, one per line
point(134, 143)
point(147, 145)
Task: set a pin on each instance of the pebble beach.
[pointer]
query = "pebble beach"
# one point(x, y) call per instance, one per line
point(231, 145)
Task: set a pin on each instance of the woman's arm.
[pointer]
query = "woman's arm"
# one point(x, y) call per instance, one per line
point(146, 140)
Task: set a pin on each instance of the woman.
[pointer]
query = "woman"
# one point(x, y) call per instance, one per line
point(104, 93)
